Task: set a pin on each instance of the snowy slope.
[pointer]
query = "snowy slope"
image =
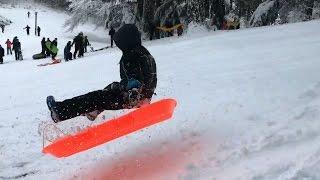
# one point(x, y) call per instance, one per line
point(248, 105)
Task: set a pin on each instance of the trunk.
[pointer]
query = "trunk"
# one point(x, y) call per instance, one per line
point(148, 12)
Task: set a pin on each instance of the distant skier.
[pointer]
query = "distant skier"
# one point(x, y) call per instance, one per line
point(38, 30)
point(2, 27)
point(43, 46)
point(28, 29)
point(111, 34)
point(9, 47)
point(86, 44)
point(54, 44)
point(137, 85)
point(67, 52)
point(78, 43)
point(28, 14)
point(1, 54)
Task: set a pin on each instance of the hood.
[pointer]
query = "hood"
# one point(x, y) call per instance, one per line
point(128, 37)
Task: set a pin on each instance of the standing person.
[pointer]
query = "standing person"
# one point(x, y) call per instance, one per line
point(17, 49)
point(86, 44)
point(1, 54)
point(28, 14)
point(9, 47)
point(48, 44)
point(28, 29)
point(53, 48)
point(67, 52)
point(2, 27)
point(38, 30)
point(16, 45)
point(43, 45)
point(111, 34)
point(78, 43)
point(138, 81)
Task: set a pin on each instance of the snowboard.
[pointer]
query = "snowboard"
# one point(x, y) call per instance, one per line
point(56, 61)
point(135, 120)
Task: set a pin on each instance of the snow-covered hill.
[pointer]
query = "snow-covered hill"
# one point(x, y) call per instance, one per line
point(248, 106)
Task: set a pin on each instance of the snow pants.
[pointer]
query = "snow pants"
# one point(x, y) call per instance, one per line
point(9, 51)
point(110, 98)
point(16, 54)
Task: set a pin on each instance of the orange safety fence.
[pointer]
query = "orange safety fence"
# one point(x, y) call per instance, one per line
point(138, 119)
point(170, 29)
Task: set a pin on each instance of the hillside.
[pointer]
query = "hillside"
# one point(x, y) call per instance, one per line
point(248, 105)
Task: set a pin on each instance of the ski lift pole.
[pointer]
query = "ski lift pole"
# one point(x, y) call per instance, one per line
point(36, 23)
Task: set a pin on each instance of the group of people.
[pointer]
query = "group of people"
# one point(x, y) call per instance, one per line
point(80, 43)
point(14, 45)
point(49, 48)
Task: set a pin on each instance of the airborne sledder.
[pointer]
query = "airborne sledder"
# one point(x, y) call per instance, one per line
point(137, 85)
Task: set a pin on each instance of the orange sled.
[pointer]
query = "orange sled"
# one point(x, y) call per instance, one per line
point(138, 119)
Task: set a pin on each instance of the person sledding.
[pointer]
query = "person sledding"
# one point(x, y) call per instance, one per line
point(137, 85)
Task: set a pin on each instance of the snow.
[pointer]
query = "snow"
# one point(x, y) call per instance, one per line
point(248, 105)
point(261, 13)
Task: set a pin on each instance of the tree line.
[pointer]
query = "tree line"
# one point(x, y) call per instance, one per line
point(113, 13)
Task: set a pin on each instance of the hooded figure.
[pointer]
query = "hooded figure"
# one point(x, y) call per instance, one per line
point(67, 52)
point(78, 43)
point(137, 85)
point(16, 47)
point(1, 54)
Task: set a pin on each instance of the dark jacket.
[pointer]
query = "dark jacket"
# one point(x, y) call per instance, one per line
point(78, 42)
point(86, 42)
point(54, 43)
point(27, 27)
point(16, 44)
point(1, 52)
point(67, 49)
point(136, 62)
point(43, 43)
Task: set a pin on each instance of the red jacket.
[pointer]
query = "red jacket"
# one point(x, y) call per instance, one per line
point(9, 44)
